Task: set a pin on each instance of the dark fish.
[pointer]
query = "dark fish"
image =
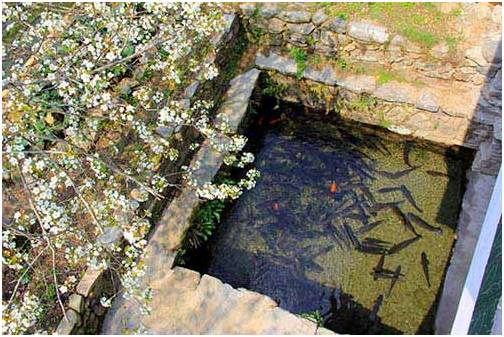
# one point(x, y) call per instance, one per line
point(376, 241)
point(406, 222)
point(374, 312)
point(351, 235)
point(368, 194)
point(422, 223)
point(406, 151)
point(407, 194)
point(384, 205)
point(384, 274)
point(438, 174)
point(341, 238)
point(401, 245)
point(389, 189)
point(368, 227)
point(381, 262)
point(397, 273)
point(425, 266)
point(397, 175)
point(371, 249)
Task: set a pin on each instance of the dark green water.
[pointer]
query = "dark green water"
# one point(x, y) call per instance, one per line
point(299, 235)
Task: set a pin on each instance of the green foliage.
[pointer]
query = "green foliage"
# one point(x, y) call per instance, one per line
point(273, 88)
point(314, 316)
point(363, 103)
point(385, 76)
point(299, 57)
point(422, 37)
point(342, 63)
point(204, 221)
point(384, 123)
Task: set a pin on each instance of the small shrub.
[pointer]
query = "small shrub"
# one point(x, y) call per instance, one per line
point(299, 57)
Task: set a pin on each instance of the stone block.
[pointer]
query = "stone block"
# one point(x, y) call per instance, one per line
point(319, 17)
point(88, 281)
point(492, 51)
point(427, 101)
point(294, 16)
point(337, 25)
point(368, 32)
point(248, 9)
point(67, 327)
point(268, 10)
point(276, 25)
point(300, 28)
point(276, 62)
point(76, 302)
point(396, 92)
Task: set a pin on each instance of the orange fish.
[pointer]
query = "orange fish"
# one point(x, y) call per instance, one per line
point(276, 206)
point(333, 187)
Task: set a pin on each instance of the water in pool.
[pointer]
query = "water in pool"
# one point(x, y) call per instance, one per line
point(350, 221)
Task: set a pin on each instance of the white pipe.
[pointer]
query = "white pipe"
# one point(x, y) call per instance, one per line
point(479, 261)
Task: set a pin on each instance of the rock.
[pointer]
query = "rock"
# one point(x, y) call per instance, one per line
point(427, 101)
point(405, 44)
point(359, 83)
point(337, 25)
point(440, 50)
point(319, 17)
point(394, 91)
point(475, 54)
point(248, 9)
point(400, 130)
point(191, 89)
point(492, 51)
point(76, 302)
point(276, 25)
point(139, 194)
point(326, 75)
point(329, 39)
point(66, 327)
point(492, 92)
point(111, 236)
point(497, 128)
point(294, 16)
point(297, 39)
point(497, 14)
point(165, 131)
point(368, 32)
point(268, 10)
point(301, 28)
point(447, 7)
point(88, 281)
point(488, 158)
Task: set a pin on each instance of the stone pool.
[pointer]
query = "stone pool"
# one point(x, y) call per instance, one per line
point(350, 222)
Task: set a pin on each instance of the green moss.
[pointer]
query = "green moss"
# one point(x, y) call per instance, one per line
point(299, 57)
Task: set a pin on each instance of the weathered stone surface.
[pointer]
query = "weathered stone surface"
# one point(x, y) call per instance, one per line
point(337, 25)
point(294, 16)
point(475, 54)
point(492, 51)
point(301, 28)
point(276, 62)
point(326, 75)
point(427, 101)
point(268, 10)
point(76, 302)
point(440, 50)
point(476, 198)
point(185, 303)
point(66, 327)
point(358, 83)
point(400, 130)
point(88, 281)
point(497, 14)
point(402, 42)
point(111, 236)
point(276, 25)
point(329, 39)
point(297, 39)
point(394, 91)
point(191, 89)
point(248, 8)
point(488, 157)
point(319, 17)
point(368, 32)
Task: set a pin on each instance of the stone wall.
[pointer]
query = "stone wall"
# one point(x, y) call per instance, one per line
point(451, 101)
